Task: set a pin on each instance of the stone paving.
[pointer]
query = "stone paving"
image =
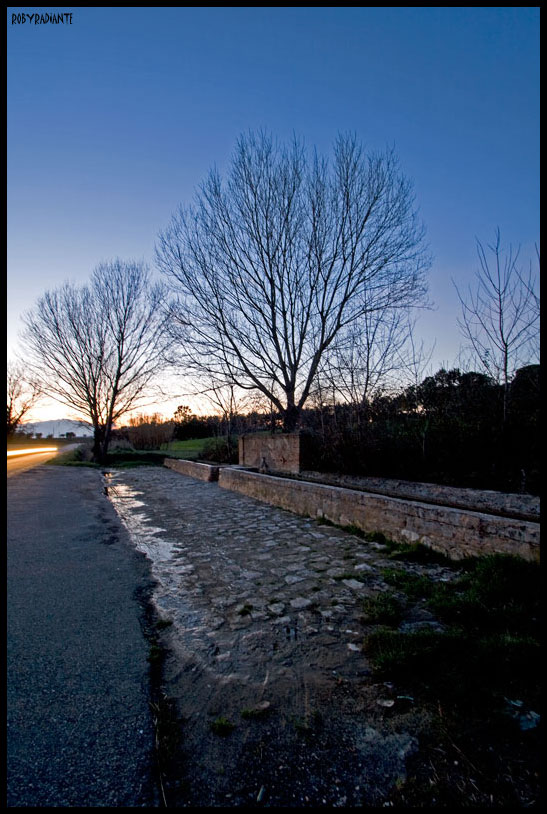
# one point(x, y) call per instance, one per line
point(266, 612)
point(248, 585)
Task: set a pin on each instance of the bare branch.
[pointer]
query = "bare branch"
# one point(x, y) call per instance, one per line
point(500, 316)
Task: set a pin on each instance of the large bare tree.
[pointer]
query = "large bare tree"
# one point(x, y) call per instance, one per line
point(270, 265)
point(96, 348)
point(500, 316)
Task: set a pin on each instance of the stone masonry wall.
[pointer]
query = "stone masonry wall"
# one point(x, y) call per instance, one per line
point(524, 507)
point(192, 469)
point(279, 452)
point(455, 532)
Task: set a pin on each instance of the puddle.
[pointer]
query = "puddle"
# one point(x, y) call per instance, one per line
point(173, 596)
point(145, 536)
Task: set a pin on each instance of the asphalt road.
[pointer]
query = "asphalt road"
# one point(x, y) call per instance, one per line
point(79, 727)
point(20, 463)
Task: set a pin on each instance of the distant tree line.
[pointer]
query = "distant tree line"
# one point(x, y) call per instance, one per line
point(455, 428)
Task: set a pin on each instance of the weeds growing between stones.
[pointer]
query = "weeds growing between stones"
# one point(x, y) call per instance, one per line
point(222, 726)
point(383, 609)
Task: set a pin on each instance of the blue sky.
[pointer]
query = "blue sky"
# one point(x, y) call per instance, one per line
point(114, 119)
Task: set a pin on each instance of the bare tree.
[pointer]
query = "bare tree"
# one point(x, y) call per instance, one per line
point(273, 264)
point(97, 348)
point(500, 317)
point(22, 395)
point(374, 355)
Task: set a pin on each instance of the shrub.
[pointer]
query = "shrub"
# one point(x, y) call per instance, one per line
point(223, 450)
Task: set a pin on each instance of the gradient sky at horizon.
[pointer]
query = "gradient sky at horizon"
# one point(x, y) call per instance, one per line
point(114, 120)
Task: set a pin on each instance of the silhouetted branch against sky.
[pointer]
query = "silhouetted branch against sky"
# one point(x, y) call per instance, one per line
point(273, 262)
point(500, 314)
point(22, 395)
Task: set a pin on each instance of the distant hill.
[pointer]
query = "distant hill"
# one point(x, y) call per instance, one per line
point(59, 427)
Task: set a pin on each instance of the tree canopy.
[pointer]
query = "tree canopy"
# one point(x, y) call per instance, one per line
point(96, 348)
point(272, 264)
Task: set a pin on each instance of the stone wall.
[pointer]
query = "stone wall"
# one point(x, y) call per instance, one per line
point(455, 532)
point(524, 507)
point(279, 452)
point(192, 469)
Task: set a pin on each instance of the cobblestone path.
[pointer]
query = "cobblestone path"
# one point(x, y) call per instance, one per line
point(267, 615)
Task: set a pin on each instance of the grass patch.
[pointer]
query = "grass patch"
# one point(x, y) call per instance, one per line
point(58, 461)
point(383, 609)
point(126, 458)
point(308, 728)
point(370, 536)
point(498, 593)
point(413, 552)
point(222, 726)
point(303, 728)
point(191, 448)
point(414, 586)
point(490, 648)
point(73, 457)
point(416, 552)
point(452, 666)
point(121, 458)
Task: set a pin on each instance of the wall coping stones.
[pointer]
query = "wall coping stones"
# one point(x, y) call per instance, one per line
point(279, 454)
point(205, 472)
point(525, 507)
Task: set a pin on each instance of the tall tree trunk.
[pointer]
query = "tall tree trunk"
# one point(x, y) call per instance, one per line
point(98, 439)
point(291, 418)
point(106, 442)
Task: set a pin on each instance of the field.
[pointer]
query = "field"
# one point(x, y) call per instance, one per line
point(186, 449)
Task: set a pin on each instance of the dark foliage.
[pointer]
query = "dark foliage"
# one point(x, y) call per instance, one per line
point(489, 648)
point(449, 429)
point(222, 450)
